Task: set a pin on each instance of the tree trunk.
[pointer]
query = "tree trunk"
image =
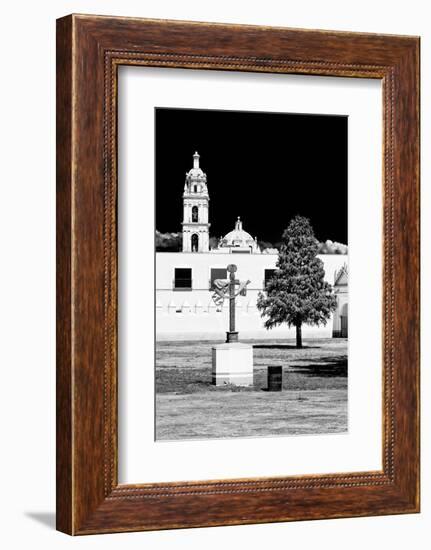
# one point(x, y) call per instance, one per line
point(299, 336)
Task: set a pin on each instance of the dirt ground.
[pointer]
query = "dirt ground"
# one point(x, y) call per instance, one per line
point(313, 400)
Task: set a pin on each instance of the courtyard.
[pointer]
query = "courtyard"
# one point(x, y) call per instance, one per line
point(313, 399)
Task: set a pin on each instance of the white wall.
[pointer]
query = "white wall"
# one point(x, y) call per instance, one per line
point(250, 266)
point(27, 313)
point(199, 318)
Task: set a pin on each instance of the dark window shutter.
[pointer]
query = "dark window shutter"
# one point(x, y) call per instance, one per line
point(183, 277)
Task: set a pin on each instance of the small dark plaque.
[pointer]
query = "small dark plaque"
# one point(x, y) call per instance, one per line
point(275, 378)
point(231, 336)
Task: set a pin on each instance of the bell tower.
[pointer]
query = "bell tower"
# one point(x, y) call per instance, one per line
point(195, 210)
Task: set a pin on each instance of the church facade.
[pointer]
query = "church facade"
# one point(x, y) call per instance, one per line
point(185, 280)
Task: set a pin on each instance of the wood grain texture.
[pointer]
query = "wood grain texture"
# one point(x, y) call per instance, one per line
point(64, 496)
point(90, 49)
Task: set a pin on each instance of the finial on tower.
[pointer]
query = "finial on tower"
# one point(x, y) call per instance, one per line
point(238, 224)
point(196, 160)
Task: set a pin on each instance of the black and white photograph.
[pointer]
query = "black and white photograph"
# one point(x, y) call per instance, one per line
point(251, 282)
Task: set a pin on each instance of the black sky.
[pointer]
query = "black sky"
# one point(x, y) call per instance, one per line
point(264, 167)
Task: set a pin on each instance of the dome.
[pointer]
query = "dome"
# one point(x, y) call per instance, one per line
point(238, 237)
point(239, 240)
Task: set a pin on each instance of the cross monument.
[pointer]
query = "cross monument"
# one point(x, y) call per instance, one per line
point(232, 362)
point(232, 335)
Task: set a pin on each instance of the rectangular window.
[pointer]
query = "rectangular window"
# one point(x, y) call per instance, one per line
point(183, 278)
point(217, 273)
point(269, 273)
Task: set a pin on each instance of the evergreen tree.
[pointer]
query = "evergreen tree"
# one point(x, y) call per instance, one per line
point(297, 293)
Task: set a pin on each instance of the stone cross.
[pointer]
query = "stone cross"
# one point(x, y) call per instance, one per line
point(232, 335)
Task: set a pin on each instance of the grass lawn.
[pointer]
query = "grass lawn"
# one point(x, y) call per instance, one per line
point(313, 400)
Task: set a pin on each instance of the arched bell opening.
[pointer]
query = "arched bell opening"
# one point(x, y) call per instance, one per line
point(195, 214)
point(195, 242)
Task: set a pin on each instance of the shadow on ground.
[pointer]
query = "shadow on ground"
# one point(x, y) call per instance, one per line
point(318, 365)
point(325, 367)
point(45, 518)
point(282, 346)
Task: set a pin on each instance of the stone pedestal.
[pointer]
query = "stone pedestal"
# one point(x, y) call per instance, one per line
point(232, 363)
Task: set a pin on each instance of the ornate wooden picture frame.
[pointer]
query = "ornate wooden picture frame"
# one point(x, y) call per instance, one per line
point(89, 51)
